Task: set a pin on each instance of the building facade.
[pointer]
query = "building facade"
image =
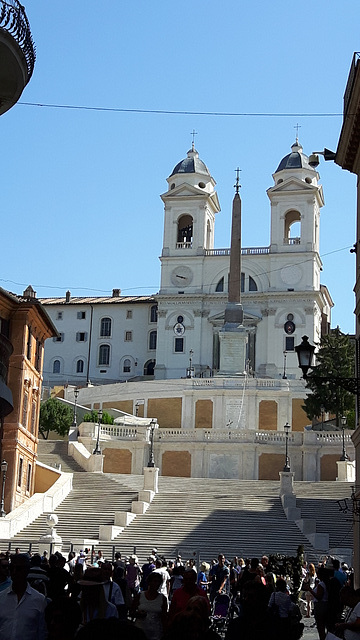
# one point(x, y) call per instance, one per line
point(118, 338)
point(348, 157)
point(24, 325)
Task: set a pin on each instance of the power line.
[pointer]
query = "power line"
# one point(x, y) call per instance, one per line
point(175, 112)
point(107, 291)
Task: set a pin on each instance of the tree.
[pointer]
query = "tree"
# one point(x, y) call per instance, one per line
point(55, 416)
point(106, 418)
point(332, 379)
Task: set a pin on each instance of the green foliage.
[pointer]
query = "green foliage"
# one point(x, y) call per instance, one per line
point(335, 364)
point(55, 416)
point(93, 417)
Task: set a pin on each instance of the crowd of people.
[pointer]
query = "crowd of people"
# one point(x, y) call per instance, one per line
point(86, 596)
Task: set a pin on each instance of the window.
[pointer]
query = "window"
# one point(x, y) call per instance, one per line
point(127, 366)
point(59, 315)
point(152, 339)
point(5, 327)
point(81, 336)
point(179, 345)
point(28, 479)
point(38, 355)
point(105, 328)
point(128, 336)
point(129, 314)
point(220, 285)
point(104, 354)
point(289, 343)
point(252, 284)
point(29, 344)
point(25, 409)
point(59, 338)
point(20, 470)
point(81, 315)
point(56, 366)
point(33, 417)
point(80, 366)
point(153, 313)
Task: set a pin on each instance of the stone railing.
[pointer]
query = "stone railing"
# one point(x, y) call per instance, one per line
point(245, 251)
point(233, 383)
point(164, 435)
point(13, 20)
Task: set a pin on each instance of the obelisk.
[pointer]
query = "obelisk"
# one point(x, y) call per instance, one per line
point(234, 336)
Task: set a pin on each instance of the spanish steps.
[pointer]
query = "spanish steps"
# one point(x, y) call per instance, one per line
point(190, 516)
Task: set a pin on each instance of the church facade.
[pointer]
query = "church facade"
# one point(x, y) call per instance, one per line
point(175, 333)
point(168, 346)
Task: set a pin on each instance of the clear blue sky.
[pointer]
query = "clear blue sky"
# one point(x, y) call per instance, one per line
point(80, 189)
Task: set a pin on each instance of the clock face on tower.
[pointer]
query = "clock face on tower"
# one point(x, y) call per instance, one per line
point(181, 276)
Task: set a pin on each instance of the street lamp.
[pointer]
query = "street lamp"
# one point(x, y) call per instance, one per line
point(305, 352)
point(287, 460)
point(4, 467)
point(151, 462)
point(97, 450)
point(189, 373)
point(76, 393)
point(344, 455)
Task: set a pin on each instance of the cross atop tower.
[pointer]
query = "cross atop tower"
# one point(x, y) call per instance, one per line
point(297, 127)
point(193, 133)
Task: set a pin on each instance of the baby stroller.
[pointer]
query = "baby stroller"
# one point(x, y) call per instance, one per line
point(220, 612)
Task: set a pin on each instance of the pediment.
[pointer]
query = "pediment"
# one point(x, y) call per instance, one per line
point(292, 184)
point(184, 189)
point(250, 319)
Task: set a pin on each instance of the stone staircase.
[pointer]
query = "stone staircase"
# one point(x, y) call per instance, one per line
point(318, 501)
point(188, 515)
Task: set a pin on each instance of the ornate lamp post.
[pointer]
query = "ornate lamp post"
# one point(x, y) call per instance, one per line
point(151, 462)
point(97, 450)
point(344, 456)
point(4, 467)
point(305, 352)
point(76, 393)
point(287, 459)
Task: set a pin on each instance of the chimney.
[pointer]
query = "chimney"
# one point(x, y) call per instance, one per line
point(116, 293)
point(68, 296)
point(29, 292)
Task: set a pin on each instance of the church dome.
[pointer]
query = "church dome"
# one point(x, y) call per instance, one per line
point(191, 164)
point(295, 160)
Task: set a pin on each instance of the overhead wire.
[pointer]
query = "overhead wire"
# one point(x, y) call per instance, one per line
point(179, 112)
point(108, 292)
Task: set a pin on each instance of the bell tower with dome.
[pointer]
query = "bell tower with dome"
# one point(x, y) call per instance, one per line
point(296, 200)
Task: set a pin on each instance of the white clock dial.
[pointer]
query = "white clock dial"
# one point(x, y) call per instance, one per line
point(181, 276)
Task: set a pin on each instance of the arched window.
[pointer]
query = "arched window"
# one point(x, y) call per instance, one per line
point(152, 340)
point(252, 284)
point(56, 366)
point(153, 313)
point(220, 285)
point(127, 365)
point(105, 328)
point(104, 355)
point(149, 368)
point(292, 227)
point(185, 232)
point(80, 366)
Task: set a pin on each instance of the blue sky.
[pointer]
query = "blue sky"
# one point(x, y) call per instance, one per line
point(80, 189)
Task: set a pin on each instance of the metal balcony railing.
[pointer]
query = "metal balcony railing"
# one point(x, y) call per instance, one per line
point(350, 82)
point(13, 20)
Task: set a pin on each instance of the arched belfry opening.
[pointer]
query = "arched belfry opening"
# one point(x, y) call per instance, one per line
point(292, 227)
point(185, 232)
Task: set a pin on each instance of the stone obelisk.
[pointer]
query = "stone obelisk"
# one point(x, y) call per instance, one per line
point(233, 335)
